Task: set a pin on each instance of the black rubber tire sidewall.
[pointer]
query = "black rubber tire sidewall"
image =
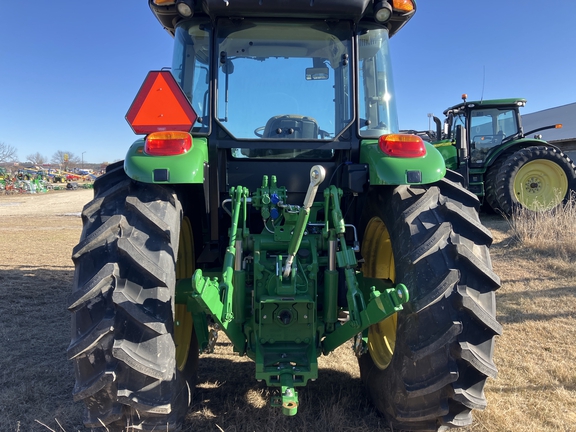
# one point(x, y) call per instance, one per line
point(124, 288)
point(416, 391)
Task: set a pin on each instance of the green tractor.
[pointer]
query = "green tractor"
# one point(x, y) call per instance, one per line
point(273, 198)
point(500, 163)
point(3, 177)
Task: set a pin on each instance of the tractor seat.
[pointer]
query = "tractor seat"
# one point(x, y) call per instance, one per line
point(291, 127)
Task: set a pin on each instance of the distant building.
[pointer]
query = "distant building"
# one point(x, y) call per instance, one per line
point(565, 138)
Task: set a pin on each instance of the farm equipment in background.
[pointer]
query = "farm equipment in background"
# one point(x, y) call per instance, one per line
point(66, 176)
point(24, 181)
point(39, 181)
point(485, 142)
point(17, 186)
point(3, 177)
point(271, 197)
point(57, 177)
point(60, 176)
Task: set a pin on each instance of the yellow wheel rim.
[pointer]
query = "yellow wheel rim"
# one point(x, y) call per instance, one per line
point(379, 263)
point(183, 322)
point(540, 185)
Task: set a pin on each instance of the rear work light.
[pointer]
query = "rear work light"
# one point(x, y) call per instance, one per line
point(402, 145)
point(167, 143)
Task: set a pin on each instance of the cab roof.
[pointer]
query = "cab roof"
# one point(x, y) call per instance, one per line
point(490, 103)
point(318, 9)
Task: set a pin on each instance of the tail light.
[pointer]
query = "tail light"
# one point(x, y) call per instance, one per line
point(402, 145)
point(167, 143)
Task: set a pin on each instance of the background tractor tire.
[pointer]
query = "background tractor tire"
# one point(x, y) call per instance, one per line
point(123, 307)
point(535, 178)
point(490, 187)
point(429, 369)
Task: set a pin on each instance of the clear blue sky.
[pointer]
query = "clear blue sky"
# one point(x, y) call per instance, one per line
point(69, 70)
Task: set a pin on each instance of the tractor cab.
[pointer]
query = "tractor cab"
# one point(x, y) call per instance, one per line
point(503, 165)
point(488, 124)
point(280, 96)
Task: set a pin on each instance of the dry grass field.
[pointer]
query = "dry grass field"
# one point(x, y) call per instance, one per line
point(536, 355)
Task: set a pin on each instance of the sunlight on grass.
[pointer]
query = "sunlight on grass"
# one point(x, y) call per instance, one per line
point(551, 232)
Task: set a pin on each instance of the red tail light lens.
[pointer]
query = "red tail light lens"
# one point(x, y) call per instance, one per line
point(402, 145)
point(167, 143)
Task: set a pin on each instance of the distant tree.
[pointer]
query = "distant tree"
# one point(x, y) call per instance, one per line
point(61, 157)
point(7, 153)
point(37, 158)
point(75, 161)
point(65, 159)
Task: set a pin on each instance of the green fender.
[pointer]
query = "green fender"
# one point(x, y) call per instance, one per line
point(516, 145)
point(389, 170)
point(183, 168)
point(448, 151)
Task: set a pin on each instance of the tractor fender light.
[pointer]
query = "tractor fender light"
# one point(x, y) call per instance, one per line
point(402, 145)
point(163, 2)
point(169, 143)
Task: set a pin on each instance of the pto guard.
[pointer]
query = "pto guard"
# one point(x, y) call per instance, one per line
point(179, 169)
point(390, 170)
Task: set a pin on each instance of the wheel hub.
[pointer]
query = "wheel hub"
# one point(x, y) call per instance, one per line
point(534, 185)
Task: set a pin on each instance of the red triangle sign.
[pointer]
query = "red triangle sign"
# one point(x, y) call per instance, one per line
point(160, 105)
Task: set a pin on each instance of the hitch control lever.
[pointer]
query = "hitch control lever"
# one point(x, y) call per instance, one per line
point(317, 175)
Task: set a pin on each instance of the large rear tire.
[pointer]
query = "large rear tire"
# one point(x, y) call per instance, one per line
point(535, 178)
point(123, 308)
point(426, 366)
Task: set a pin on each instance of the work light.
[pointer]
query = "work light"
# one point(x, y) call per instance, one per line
point(185, 8)
point(382, 11)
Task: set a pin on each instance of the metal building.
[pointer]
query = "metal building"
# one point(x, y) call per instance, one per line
point(565, 138)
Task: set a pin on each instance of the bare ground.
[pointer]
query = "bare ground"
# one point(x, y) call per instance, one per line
point(535, 390)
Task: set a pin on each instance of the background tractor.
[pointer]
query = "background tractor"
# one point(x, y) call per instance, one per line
point(273, 198)
point(501, 163)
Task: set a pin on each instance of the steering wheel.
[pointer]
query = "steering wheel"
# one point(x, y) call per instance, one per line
point(259, 131)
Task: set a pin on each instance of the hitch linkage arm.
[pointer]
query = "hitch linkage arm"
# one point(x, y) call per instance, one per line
point(239, 196)
point(216, 298)
point(317, 175)
point(346, 258)
point(381, 304)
